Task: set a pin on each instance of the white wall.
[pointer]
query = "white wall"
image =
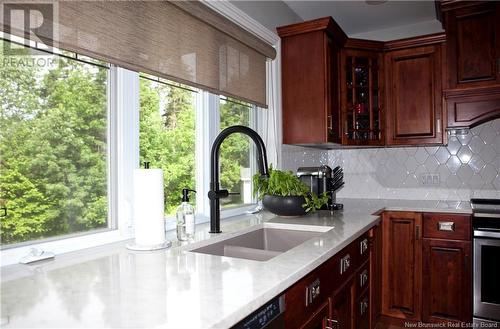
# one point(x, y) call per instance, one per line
point(269, 13)
point(400, 32)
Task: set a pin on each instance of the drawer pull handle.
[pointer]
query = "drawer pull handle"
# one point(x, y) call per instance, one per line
point(345, 263)
point(363, 306)
point(332, 324)
point(312, 292)
point(446, 226)
point(363, 278)
point(363, 246)
point(330, 122)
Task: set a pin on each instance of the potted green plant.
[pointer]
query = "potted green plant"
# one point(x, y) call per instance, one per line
point(285, 195)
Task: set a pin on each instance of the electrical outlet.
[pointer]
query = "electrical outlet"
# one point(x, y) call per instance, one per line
point(430, 179)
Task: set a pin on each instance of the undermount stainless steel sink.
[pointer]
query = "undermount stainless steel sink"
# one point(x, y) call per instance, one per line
point(261, 244)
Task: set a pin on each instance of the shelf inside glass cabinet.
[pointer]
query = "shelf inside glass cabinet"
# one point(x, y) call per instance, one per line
point(362, 108)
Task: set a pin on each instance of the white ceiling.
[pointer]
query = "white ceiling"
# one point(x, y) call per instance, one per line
point(357, 17)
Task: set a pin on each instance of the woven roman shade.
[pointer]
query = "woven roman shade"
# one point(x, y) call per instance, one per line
point(182, 41)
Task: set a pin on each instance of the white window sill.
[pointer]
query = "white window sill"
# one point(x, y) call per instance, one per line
point(224, 213)
point(64, 245)
point(13, 255)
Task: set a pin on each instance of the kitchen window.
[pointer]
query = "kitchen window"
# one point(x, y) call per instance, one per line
point(114, 149)
point(171, 137)
point(73, 131)
point(54, 144)
point(167, 135)
point(237, 154)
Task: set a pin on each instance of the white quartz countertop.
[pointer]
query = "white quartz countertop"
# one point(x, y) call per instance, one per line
point(111, 286)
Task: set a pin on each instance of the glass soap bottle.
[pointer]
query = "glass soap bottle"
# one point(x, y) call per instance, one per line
point(185, 217)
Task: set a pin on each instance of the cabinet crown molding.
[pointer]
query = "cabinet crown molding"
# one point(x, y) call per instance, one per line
point(424, 40)
point(320, 24)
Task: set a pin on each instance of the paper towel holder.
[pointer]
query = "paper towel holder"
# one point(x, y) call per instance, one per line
point(156, 241)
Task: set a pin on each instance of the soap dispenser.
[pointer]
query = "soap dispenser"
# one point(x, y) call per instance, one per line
point(185, 217)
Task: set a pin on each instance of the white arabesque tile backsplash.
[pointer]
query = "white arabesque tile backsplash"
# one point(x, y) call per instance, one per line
point(469, 166)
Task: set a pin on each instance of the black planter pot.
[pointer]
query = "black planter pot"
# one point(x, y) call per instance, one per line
point(284, 205)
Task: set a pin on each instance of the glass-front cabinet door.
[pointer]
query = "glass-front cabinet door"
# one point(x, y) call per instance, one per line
point(361, 80)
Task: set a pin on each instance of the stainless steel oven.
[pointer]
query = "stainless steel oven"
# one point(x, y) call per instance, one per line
point(486, 224)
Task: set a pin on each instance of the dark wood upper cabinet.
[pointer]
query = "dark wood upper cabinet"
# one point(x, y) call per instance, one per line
point(473, 43)
point(358, 92)
point(471, 107)
point(414, 86)
point(310, 89)
point(472, 89)
point(402, 265)
point(404, 92)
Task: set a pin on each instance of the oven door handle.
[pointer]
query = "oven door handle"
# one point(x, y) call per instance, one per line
point(487, 234)
point(486, 215)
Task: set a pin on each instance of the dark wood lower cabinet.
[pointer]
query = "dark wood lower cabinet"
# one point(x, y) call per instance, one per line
point(341, 307)
point(319, 319)
point(362, 312)
point(331, 295)
point(375, 273)
point(426, 268)
point(447, 281)
point(413, 267)
point(402, 265)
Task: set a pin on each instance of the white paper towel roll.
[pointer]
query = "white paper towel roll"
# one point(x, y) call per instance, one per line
point(149, 220)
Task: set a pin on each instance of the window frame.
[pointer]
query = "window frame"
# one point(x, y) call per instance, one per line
point(117, 225)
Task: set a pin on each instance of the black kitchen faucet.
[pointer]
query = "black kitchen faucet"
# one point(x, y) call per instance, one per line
point(215, 192)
